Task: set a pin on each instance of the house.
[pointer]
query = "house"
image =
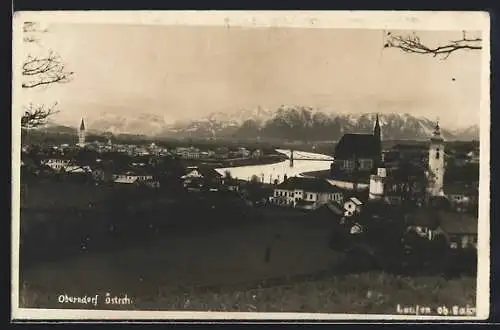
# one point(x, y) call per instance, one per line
point(459, 229)
point(77, 168)
point(57, 163)
point(202, 178)
point(132, 176)
point(305, 193)
point(231, 184)
point(188, 153)
point(391, 159)
point(352, 206)
point(257, 153)
point(424, 222)
point(408, 152)
point(102, 174)
point(473, 157)
point(461, 193)
point(221, 153)
point(234, 153)
point(243, 152)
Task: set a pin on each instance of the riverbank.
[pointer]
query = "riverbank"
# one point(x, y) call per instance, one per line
point(238, 162)
point(325, 174)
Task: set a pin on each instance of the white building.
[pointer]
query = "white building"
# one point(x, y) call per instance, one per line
point(57, 164)
point(188, 153)
point(436, 163)
point(352, 206)
point(137, 178)
point(307, 192)
point(377, 182)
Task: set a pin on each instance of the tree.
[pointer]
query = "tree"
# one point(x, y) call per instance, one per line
point(254, 179)
point(39, 71)
point(413, 45)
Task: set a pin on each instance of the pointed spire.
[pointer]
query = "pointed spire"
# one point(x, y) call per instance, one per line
point(437, 129)
point(82, 126)
point(376, 129)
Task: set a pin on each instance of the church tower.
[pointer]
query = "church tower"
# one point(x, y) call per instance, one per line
point(377, 133)
point(436, 163)
point(81, 134)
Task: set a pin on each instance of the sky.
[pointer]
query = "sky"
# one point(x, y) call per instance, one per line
point(186, 72)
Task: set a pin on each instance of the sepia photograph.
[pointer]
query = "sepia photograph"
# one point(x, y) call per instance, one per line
point(250, 165)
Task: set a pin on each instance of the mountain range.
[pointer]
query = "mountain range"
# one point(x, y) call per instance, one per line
point(286, 122)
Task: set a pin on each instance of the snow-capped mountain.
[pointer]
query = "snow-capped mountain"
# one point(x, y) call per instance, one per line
point(468, 133)
point(286, 122)
point(237, 118)
point(298, 122)
point(219, 123)
point(141, 123)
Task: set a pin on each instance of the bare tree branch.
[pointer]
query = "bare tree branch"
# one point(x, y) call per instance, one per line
point(43, 71)
point(412, 44)
point(40, 71)
point(36, 115)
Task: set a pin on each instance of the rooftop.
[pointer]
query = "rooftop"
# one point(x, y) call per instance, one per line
point(458, 223)
point(424, 217)
point(308, 184)
point(363, 145)
point(457, 188)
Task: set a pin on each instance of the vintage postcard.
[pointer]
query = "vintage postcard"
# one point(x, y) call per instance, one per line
point(209, 165)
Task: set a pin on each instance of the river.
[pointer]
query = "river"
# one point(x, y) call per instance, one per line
point(277, 171)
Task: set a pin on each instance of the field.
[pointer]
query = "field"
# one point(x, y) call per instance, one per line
point(187, 259)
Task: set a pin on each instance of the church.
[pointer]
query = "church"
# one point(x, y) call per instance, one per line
point(81, 135)
point(358, 153)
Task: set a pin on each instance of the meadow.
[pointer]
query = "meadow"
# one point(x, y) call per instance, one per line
point(206, 254)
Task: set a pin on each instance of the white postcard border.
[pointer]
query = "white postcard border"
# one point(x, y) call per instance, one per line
point(400, 20)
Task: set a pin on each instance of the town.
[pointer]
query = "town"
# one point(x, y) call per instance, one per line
point(424, 192)
point(249, 168)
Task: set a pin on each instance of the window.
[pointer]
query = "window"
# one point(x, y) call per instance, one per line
point(437, 153)
point(366, 163)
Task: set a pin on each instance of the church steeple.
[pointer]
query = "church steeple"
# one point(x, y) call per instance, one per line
point(81, 134)
point(436, 135)
point(377, 133)
point(376, 129)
